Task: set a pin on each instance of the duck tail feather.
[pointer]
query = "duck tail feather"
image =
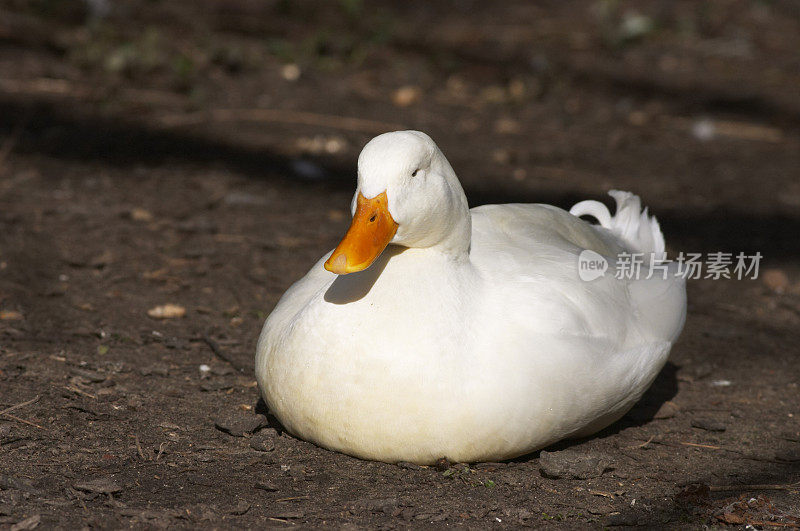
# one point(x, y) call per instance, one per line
point(630, 223)
point(596, 209)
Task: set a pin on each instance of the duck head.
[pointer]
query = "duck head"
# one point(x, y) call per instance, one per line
point(408, 195)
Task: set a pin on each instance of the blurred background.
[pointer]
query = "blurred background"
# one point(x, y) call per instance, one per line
point(201, 153)
point(693, 105)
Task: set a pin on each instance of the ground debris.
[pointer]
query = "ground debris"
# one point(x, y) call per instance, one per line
point(573, 464)
point(167, 311)
point(140, 214)
point(146, 515)
point(406, 95)
point(10, 482)
point(266, 485)
point(241, 508)
point(755, 511)
point(708, 424)
point(776, 280)
point(89, 376)
point(239, 424)
point(101, 485)
point(29, 523)
point(201, 512)
point(10, 315)
point(217, 385)
point(442, 464)
point(384, 505)
point(263, 441)
point(289, 514)
point(156, 369)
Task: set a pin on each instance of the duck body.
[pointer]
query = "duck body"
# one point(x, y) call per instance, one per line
point(474, 353)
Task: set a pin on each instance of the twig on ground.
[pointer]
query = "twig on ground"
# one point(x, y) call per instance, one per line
point(743, 455)
point(13, 417)
point(733, 488)
point(20, 405)
point(648, 441)
point(709, 446)
point(7, 412)
point(139, 448)
point(161, 448)
point(214, 346)
point(75, 389)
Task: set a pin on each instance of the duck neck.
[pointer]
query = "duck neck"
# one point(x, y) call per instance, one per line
point(457, 236)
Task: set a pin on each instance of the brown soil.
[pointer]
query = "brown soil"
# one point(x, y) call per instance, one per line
point(166, 154)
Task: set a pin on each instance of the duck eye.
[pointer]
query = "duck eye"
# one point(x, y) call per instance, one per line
point(414, 173)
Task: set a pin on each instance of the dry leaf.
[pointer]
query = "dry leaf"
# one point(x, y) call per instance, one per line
point(167, 311)
point(140, 214)
point(776, 280)
point(405, 96)
point(8, 315)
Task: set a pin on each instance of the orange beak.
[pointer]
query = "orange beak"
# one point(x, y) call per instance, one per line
point(370, 232)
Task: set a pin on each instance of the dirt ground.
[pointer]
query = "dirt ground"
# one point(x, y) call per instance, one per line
point(202, 154)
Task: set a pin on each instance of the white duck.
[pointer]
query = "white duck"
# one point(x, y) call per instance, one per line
point(471, 336)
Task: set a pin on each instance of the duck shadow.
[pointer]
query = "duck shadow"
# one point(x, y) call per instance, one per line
point(261, 408)
point(355, 286)
point(663, 389)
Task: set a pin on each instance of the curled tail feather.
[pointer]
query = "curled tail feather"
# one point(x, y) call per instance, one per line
point(631, 224)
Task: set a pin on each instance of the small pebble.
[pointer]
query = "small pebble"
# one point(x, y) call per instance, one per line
point(158, 369)
point(409, 466)
point(32, 522)
point(263, 441)
point(88, 375)
point(704, 130)
point(241, 508)
point(708, 424)
point(290, 72)
point(266, 485)
point(103, 485)
point(134, 402)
